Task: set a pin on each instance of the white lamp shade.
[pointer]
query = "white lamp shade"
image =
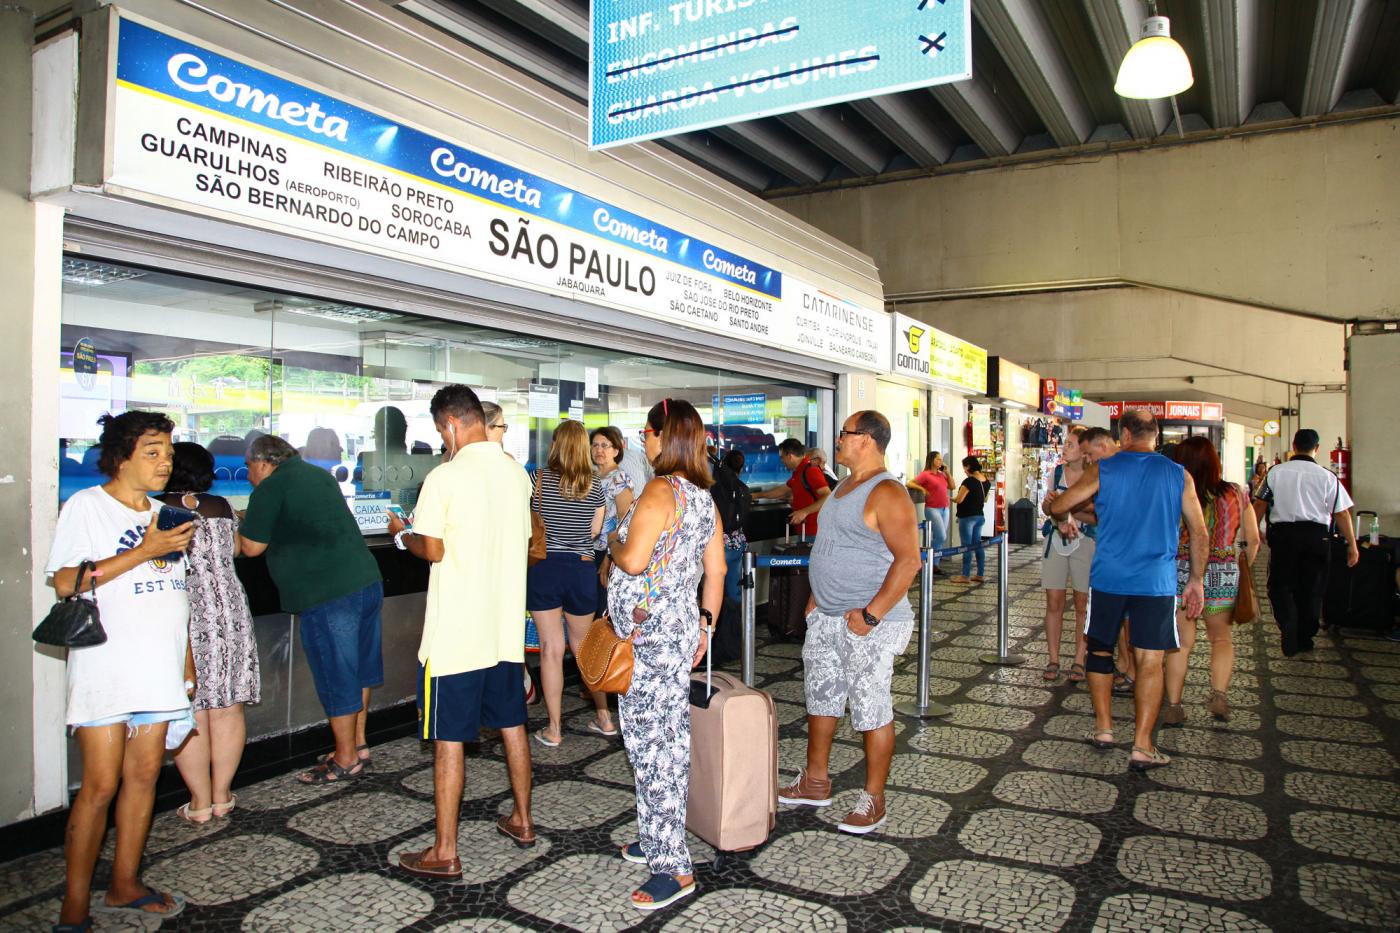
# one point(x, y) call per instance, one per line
point(1156, 65)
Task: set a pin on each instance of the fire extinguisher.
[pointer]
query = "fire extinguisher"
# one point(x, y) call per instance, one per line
point(1341, 464)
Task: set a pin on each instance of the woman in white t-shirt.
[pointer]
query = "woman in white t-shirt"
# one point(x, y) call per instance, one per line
point(124, 693)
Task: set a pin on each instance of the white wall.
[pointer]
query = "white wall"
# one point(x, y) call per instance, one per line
point(1325, 413)
point(1375, 426)
point(1233, 455)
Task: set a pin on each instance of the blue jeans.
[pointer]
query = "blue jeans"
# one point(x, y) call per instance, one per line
point(341, 638)
point(970, 535)
point(938, 521)
point(734, 568)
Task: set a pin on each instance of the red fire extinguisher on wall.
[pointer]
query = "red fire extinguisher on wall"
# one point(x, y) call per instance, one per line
point(1341, 464)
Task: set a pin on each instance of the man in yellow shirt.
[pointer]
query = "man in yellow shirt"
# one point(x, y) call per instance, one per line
point(472, 523)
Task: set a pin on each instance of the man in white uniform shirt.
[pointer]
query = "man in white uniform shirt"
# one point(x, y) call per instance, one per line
point(1302, 498)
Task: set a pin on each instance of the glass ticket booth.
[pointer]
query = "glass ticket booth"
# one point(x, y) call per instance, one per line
point(350, 386)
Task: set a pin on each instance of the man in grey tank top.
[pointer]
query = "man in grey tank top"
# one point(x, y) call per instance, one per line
point(864, 559)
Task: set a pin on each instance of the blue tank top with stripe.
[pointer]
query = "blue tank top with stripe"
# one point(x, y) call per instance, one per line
point(1139, 511)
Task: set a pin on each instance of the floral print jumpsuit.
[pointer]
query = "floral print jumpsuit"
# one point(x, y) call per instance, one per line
point(655, 711)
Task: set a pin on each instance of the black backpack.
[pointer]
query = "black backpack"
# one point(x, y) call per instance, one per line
point(731, 495)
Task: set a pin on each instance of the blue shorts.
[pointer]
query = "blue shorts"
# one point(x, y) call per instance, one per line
point(562, 580)
point(134, 720)
point(455, 707)
point(1154, 620)
point(341, 638)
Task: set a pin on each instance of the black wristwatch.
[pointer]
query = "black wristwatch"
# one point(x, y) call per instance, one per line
point(869, 619)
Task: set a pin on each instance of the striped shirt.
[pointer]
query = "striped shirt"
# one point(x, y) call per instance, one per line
point(568, 523)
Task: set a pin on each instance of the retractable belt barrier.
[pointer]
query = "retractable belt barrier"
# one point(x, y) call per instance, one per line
point(921, 708)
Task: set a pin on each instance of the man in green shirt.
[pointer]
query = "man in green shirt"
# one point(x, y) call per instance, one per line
point(327, 577)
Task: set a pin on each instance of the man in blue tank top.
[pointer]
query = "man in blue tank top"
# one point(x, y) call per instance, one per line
point(1141, 498)
point(858, 619)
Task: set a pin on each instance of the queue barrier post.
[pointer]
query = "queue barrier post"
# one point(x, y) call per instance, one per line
point(748, 606)
point(921, 708)
point(1003, 657)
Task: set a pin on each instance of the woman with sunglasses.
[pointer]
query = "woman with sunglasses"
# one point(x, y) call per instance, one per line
point(666, 542)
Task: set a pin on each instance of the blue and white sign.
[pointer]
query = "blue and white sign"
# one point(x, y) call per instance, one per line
point(209, 133)
point(659, 67)
point(742, 409)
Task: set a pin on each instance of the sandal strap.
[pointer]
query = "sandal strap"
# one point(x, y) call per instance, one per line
point(660, 887)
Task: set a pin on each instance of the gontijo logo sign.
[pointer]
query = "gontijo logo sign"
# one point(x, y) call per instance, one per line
point(154, 63)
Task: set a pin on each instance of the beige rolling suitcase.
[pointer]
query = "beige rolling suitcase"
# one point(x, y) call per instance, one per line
point(733, 762)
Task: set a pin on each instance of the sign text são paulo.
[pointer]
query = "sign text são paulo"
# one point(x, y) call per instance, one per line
point(220, 136)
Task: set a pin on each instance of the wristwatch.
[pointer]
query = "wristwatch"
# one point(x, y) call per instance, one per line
point(870, 620)
point(398, 540)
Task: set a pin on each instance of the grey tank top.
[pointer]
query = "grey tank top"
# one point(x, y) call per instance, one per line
point(849, 561)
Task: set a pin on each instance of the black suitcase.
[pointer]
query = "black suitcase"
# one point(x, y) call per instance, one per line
point(1022, 522)
point(1363, 596)
point(788, 591)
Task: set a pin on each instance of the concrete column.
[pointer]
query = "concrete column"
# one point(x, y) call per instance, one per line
point(1375, 424)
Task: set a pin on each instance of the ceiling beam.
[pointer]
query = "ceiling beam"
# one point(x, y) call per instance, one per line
point(557, 22)
point(898, 117)
point(763, 143)
point(1021, 34)
point(981, 114)
point(822, 127)
point(1231, 33)
point(1330, 53)
point(462, 21)
point(1117, 24)
point(727, 164)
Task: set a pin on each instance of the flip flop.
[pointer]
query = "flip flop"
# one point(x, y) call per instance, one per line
point(82, 926)
point(1052, 672)
point(594, 727)
point(1155, 759)
point(664, 890)
point(546, 742)
point(418, 863)
point(152, 896)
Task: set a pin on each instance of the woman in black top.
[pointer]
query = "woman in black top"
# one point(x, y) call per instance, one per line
point(971, 497)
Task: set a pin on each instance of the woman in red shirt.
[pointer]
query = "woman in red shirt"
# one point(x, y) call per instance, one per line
point(935, 482)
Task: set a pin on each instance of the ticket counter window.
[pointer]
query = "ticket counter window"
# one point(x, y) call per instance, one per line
point(350, 386)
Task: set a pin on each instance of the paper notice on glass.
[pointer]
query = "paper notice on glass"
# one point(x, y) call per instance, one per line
point(981, 427)
point(794, 406)
point(544, 401)
point(576, 411)
point(590, 382)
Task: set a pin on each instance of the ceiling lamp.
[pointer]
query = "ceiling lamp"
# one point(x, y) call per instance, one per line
point(1156, 65)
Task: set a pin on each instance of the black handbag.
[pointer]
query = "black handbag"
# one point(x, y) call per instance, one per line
point(74, 622)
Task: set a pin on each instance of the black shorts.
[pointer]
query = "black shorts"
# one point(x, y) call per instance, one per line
point(455, 707)
point(1153, 618)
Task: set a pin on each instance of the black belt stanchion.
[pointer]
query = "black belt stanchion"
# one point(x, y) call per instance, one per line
point(922, 708)
point(1003, 656)
point(749, 607)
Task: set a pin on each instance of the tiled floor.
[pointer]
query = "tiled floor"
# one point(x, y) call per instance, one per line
point(1001, 817)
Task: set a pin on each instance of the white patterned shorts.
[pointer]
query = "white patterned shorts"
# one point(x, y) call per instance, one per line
point(842, 667)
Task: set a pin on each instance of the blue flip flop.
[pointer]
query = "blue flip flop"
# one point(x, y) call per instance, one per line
point(82, 926)
point(151, 897)
point(632, 852)
point(665, 890)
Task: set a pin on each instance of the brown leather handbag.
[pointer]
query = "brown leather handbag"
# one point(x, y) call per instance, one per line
point(539, 547)
point(604, 660)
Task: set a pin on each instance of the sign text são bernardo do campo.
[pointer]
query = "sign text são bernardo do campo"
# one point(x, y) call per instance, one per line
point(659, 67)
point(216, 135)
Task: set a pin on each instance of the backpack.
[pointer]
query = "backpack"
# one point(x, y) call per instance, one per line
point(732, 496)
